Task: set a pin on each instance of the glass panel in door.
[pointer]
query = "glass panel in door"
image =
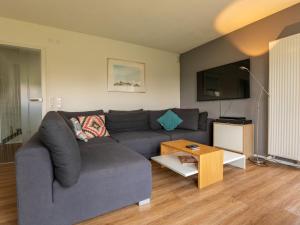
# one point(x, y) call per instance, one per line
point(20, 98)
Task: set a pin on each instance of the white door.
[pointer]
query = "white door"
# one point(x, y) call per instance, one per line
point(31, 93)
point(20, 98)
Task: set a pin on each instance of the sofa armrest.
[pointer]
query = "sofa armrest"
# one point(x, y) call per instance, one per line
point(209, 130)
point(210, 122)
point(34, 177)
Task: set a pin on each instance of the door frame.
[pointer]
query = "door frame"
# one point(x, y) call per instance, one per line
point(43, 67)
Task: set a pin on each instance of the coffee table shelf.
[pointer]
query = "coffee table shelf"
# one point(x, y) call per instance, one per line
point(172, 162)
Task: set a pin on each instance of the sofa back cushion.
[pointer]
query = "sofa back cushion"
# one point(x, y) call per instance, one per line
point(202, 125)
point(125, 111)
point(127, 121)
point(68, 115)
point(154, 115)
point(55, 134)
point(190, 118)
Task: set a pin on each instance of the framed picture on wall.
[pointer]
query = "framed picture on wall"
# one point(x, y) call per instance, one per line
point(125, 76)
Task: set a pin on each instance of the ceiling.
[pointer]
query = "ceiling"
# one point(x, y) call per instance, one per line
point(172, 25)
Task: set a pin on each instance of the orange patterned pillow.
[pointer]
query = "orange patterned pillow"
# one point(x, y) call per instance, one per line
point(93, 126)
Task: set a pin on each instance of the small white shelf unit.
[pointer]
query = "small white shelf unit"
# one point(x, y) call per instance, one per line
point(172, 162)
point(234, 137)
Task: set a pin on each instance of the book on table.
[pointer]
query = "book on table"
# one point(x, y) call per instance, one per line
point(187, 159)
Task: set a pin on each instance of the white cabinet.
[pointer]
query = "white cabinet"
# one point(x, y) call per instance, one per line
point(234, 137)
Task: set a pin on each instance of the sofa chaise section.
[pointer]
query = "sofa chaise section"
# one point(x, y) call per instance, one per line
point(112, 176)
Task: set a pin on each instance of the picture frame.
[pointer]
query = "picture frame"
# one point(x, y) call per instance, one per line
point(125, 76)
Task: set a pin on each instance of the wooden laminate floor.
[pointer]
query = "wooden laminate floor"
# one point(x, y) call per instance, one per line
point(260, 195)
point(8, 151)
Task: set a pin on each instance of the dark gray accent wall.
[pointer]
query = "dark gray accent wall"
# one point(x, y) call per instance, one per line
point(251, 42)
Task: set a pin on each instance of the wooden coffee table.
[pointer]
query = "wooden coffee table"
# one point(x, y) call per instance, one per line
point(210, 161)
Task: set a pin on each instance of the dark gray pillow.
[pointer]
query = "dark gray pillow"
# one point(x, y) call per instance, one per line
point(203, 121)
point(68, 115)
point(123, 122)
point(190, 118)
point(55, 134)
point(154, 115)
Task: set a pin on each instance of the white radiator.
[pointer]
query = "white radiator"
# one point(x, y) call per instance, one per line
point(284, 101)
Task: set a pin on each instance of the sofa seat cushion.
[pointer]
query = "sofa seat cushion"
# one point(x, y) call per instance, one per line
point(199, 136)
point(112, 176)
point(97, 141)
point(146, 143)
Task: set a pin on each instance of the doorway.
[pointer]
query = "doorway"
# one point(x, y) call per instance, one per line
point(20, 98)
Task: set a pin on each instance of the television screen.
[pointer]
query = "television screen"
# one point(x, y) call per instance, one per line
point(224, 82)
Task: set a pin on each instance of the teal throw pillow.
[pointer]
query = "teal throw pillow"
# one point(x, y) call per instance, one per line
point(169, 120)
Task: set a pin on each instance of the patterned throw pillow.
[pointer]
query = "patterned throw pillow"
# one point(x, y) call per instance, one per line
point(78, 130)
point(93, 126)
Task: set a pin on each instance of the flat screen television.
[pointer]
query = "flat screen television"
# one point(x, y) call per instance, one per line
point(224, 82)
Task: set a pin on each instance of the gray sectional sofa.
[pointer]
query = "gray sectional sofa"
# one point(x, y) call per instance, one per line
point(115, 171)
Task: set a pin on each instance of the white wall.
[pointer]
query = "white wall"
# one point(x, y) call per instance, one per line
point(76, 70)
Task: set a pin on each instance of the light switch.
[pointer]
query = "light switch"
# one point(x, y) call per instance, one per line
point(51, 102)
point(59, 102)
